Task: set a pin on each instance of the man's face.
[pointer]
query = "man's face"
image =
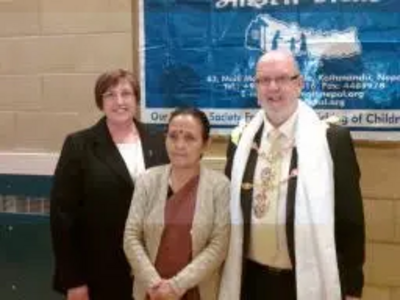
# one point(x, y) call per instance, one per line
point(278, 85)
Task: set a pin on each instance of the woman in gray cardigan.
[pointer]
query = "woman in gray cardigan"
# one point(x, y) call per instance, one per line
point(177, 232)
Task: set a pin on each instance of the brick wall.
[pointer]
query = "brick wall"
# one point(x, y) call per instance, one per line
point(51, 51)
point(380, 166)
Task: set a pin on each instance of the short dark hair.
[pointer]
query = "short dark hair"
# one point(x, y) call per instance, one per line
point(195, 113)
point(112, 78)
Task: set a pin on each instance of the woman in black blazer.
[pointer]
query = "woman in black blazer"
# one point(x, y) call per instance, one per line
point(92, 189)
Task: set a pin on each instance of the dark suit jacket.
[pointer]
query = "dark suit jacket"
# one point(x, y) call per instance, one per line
point(349, 216)
point(90, 200)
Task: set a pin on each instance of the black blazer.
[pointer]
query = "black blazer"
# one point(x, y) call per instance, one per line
point(90, 200)
point(349, 215)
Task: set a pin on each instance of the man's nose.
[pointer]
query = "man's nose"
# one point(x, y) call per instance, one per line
point(273, 85)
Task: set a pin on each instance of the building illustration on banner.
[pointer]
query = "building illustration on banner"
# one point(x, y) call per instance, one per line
point(310, 46)
point(266, 33)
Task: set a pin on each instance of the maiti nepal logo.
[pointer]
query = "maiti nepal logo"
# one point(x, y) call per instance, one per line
point(310, 46)
point(266, 33)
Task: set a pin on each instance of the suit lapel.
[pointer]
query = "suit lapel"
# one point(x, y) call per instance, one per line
point(147, 147)
point(247, 189)
point(290, 209)
point(106, 150)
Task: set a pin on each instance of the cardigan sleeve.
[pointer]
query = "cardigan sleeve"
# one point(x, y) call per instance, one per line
point(135, 252)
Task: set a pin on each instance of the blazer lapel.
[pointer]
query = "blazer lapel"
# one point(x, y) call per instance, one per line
point(247, 189)
point(107, 151)
point(147, 147)
point(290, 209)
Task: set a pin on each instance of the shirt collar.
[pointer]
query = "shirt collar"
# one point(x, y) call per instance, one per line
point(287, 128)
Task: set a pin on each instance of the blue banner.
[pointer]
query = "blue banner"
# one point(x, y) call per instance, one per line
point(203, 53)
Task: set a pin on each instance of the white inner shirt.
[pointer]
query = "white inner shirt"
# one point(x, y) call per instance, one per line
point(132, 154)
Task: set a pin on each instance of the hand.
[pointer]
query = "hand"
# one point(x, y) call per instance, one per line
point(163, 290)
point(168, 291)
point(78, 293)
point(352, 298)
point(152, 291)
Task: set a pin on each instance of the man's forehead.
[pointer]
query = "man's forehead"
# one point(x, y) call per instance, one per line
point(277, 55)
point(277, 59)
point(275, 67)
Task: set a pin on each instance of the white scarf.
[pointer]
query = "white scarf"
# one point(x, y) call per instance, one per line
point(317, 275)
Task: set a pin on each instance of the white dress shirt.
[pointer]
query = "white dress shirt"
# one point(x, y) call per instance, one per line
point(133, 157)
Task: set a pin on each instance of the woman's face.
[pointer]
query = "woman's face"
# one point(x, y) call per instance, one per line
point(185, 144)
point(119, 103)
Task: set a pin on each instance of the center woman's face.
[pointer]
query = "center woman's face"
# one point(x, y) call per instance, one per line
point(184, 141)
